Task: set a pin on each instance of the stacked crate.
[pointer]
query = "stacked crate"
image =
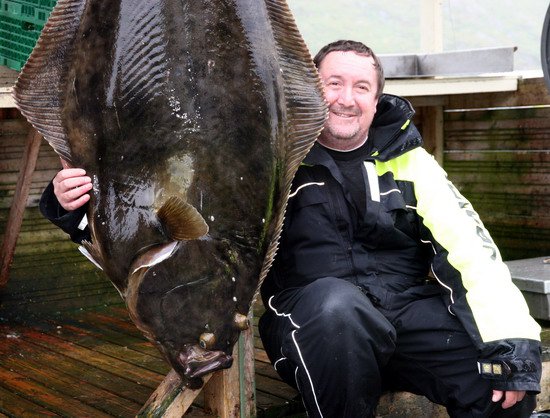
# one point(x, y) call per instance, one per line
point(21, 22)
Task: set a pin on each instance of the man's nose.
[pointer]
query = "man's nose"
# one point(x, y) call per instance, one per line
point(345, 97)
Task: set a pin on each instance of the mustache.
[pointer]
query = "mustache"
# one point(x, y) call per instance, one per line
point(345, 110)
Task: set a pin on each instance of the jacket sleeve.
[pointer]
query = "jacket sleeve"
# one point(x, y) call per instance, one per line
point(469, 265)
point(73, 223)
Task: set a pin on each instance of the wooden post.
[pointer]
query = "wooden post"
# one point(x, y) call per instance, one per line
point(431, 24)
point(433, 131)
point(227, 393)
point(15, 218)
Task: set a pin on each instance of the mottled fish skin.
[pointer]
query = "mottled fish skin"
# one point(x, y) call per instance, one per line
point(191, 117)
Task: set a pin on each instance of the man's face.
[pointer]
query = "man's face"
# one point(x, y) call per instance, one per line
point(350, 82)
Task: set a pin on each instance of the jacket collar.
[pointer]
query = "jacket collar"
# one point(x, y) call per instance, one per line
point(392, 132)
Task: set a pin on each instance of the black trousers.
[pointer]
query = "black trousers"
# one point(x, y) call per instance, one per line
point(342, 345)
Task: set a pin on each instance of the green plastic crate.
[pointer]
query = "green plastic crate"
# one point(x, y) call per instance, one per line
point(21, 22)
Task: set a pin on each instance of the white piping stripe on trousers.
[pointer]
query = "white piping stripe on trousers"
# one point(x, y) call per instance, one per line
point(281, 314)
point(281, 359)
point(373, 181)
point(307, 372)
point(298, 349)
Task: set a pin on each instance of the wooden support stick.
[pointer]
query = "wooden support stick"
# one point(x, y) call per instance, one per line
point(228, 393)
point(15, 218)
point(171, 399)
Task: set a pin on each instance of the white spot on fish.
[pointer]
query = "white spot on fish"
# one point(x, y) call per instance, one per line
point(241, 179)
point(212, 218)
point(174, 103)
point(234, 299)
point(263, 220)
point(233, 279)
point(206, 326)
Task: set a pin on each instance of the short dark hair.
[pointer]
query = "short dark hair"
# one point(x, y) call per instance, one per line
point(357, 47)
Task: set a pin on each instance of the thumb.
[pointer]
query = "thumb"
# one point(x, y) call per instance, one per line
point(64, 163)
point(497, 395)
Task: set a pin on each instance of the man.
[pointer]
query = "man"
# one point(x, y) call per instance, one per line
point(351, 310)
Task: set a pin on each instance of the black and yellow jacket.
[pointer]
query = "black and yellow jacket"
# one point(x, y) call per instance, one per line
point(416, 225)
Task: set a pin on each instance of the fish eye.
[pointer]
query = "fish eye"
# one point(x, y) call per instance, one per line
point(207, 340)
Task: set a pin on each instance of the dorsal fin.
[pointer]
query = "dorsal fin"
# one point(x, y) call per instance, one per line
point(39, 88)
point(181, 221)
point(306, 110)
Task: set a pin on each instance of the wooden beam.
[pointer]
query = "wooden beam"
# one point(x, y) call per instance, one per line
point(437, 86)
point(17, 209)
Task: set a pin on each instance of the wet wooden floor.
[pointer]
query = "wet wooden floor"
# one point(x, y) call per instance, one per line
point(97, 364)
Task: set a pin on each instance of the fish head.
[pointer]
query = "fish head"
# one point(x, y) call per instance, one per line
point(188, 308)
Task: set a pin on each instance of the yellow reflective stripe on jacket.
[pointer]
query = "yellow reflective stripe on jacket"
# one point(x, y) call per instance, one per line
point(499, 308)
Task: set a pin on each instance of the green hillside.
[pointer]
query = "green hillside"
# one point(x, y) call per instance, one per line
point(391, 27)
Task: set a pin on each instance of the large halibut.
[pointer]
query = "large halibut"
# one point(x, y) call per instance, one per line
point(192, 118)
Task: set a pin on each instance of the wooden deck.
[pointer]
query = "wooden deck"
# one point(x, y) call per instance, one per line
point(97, 364)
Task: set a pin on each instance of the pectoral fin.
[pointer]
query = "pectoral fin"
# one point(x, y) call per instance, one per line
point(181, 220)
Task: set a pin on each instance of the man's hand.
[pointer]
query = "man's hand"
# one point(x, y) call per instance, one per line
point(71, 187)
point(511, 397)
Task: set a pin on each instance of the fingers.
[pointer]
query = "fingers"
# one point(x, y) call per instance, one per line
point(511, 397)
point(497, 395)
point(71, 187)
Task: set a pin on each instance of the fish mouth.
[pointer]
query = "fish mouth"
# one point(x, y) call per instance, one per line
point(197, 361)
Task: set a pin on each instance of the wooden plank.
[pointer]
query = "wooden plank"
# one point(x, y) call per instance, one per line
point(275, 387)
point(124, 353)
point(45, 396)
point(140, 376)
point(19, 202)
point(117, 318)
point(16, 406)
point(530, 91)
point(138, 344)
point(82, 369)
point(67, 385)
